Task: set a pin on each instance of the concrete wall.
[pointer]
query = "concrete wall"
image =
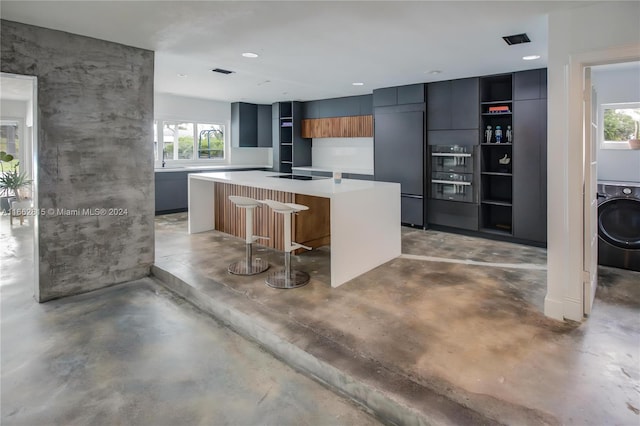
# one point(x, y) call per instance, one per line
point(174, 107)
point(598, 27)
point(95, 115)
point(617, 86)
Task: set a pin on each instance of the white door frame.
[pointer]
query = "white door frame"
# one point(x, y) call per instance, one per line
point(574, 295)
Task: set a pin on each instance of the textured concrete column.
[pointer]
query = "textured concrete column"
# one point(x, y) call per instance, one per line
point(95, 167)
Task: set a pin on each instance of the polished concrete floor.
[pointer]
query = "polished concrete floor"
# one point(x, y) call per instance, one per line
point(455, 315)
point(134, 354)
point(452, 329)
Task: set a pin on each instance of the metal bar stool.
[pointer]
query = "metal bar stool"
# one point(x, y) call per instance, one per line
point(248, 266)
point(287, 278)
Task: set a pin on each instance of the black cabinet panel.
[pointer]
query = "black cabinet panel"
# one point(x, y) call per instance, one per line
point(348, 106)
point(412, 210)
point(465, 103)
point(529, 84)
point(385, 97)
point(366, 105)
point(452, 213)
point(453, 104)
point(411, 94)
point(529, 169)
point(264, 126)
point(453, 137)
point(171, 191)
point(399, 149)
point(543, 83)
point(439, 106)
point(250, 125)
point(244, 120)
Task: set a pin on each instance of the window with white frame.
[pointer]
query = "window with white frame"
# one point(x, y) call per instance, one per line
point(619, 123)
point(188, 141)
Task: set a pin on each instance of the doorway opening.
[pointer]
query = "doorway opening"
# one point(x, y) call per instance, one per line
point(19, 142)
point(600, 88)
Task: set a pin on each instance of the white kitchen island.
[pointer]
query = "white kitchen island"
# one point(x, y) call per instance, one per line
point(364, 215)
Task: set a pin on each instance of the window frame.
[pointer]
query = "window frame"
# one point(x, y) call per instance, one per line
point(173, 162)
point(613, 145)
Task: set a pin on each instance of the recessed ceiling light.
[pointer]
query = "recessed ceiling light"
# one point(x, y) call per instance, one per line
point(531, 57)
point(357, 84)
point(435, 72)
point(250, 55)
point(181, 75)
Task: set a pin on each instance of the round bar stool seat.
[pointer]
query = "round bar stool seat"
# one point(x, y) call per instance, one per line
point(287, 278)
point(248, 266)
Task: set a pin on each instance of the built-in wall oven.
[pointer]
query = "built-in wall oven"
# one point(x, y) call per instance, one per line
point(452, 173)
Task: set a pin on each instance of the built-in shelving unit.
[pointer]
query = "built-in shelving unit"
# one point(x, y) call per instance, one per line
point(289, 147)
point(496, 158)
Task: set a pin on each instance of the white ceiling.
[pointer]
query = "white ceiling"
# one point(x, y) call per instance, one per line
point(308, 49)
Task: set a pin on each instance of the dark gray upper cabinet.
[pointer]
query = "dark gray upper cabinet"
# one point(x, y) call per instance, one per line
point(411, 94)
point(250, 125)
point(244, 120)
point(453, 104)
point(439, 105)
point(465, 103)
point(530, 84)
point(385, 97)
point(401, 95)
point(264, 126)
point(338, 107)
point(530, 170)
point(366, 104)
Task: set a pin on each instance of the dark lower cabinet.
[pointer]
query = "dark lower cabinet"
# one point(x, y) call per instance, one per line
point(171, 192)
point(530, 170)
point(412, 210)
point(453, 214)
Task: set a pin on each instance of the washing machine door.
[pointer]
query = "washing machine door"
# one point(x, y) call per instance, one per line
point(619, 222)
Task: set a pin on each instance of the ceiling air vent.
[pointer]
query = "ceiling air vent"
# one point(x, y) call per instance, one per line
point(221, 71)
point(516, 39)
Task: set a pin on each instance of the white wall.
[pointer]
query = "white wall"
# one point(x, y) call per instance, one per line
point(617, 86)
point(343, 154)
point(592, 28)
point(174, 107)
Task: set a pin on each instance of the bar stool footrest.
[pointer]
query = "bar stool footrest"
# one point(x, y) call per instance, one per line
point(241, 267)
point(278, 279)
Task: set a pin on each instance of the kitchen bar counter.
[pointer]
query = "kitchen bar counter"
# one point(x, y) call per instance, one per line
point(364, 215)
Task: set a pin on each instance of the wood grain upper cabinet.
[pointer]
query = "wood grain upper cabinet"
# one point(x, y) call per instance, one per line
point(338, 127)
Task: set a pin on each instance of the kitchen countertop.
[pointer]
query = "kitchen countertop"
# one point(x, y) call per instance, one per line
point(320, 187)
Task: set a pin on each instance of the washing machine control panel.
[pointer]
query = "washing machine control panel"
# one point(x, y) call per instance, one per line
point(619, 189)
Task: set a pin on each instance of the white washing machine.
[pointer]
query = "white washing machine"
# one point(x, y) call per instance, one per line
point(619, 224)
